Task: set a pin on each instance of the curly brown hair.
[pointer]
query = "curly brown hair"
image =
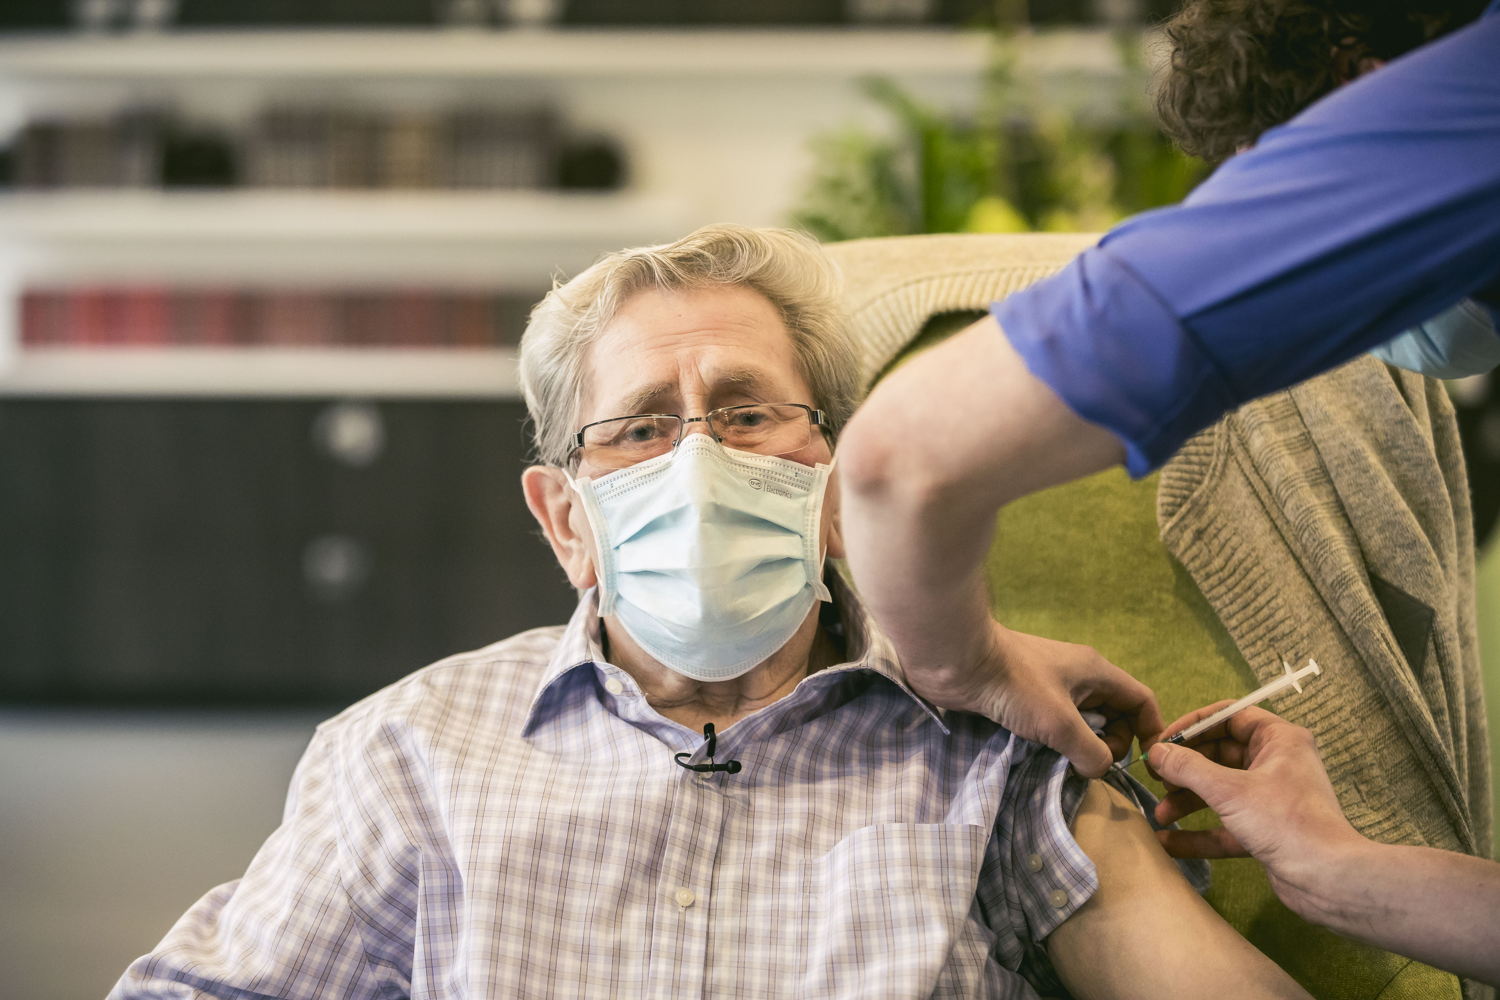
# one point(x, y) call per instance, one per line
point(1238, 67)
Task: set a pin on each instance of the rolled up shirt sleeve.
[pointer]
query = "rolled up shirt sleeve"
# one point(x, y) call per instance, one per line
point(1038, 876)
point(1370, 212)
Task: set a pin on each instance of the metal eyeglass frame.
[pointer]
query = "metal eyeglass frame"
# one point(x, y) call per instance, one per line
point(815, 418)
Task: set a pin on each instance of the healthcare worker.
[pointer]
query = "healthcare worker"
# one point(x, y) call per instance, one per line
point(1240, 67)
point(1355, 226)
point(1373, 210)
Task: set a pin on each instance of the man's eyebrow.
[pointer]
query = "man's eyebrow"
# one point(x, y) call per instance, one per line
point(641, 398)
point(743, 378)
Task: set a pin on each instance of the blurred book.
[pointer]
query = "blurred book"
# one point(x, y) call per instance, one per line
point(157, 316)
point(499, 148)
point(197, 157)
point(123, 151)
point(410, 152)
point(290, 148)
point(315, 147)
point(704, 12)
point(353, 146)
point(291, 13)
point(34, 15)
point(207, 317)
point(593, 163)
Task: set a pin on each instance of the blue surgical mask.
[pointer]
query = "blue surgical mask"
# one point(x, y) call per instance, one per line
point(1459, 342)
point(709, 558)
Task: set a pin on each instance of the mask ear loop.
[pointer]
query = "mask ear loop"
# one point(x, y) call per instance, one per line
point(816, 556)
point(604, 566)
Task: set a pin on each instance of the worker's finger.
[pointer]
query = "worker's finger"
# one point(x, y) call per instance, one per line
point(1089, 755)
point(1123, 696)
point(1186, 768)
point(1215, 843)
point(1069, 730)
point(1231, 753)
point(1176, 804)
point(1119, 734)
point(1226, 753)
point(1255, 728)
point(1223, 752)
point(1192, 718)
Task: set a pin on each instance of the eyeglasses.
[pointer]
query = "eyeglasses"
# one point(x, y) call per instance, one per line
point(764, 428)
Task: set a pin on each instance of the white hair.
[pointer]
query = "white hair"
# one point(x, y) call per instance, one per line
point(787, 267)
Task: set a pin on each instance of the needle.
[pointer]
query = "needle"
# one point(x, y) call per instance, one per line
point(1288, 679)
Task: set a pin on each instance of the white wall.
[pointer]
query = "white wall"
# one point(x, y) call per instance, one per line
point(112, 824)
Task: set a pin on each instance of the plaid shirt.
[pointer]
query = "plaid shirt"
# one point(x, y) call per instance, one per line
point(511, 823)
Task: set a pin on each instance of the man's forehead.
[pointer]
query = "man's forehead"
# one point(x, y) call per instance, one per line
point(624, 395)
point(722, 345)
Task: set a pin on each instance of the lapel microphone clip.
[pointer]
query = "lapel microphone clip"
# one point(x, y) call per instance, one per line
point(728, 767)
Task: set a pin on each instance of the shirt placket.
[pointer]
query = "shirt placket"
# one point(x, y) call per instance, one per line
point(685, 908)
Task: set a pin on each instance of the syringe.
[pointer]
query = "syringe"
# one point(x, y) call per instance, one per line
point(1289, 679)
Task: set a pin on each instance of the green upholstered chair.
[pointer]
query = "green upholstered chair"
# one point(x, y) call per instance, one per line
point(1084, 562)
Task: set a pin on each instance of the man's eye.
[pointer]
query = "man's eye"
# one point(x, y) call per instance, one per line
point(638, 432)
point(747, 419)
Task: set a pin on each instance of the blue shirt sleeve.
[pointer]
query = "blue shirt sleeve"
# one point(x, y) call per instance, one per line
point(1372, 211)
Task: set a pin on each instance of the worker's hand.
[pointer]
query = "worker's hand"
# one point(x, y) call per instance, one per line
point(1036, 687)
point(1264, 778)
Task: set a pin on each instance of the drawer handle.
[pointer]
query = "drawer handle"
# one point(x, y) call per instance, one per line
point(352, 433)
point(336, 567)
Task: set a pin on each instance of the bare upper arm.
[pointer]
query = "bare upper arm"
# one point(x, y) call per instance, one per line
point(1146, 932)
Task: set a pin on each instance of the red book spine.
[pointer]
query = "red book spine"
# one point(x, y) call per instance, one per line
point(473, 322)
point(145, 316)
point(210, 317)
point(43, 317)
point(365, 315)
point(86, 317)
point(187, 316)
point(415, 318)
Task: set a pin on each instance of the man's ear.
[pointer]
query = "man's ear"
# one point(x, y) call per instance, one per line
point(557, 510)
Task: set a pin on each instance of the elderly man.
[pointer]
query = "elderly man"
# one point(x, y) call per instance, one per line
point(713, 781)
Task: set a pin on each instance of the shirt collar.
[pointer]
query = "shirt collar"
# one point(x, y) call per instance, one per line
point(580, 646)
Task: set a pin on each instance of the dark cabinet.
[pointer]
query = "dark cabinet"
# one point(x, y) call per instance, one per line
point(258, 551)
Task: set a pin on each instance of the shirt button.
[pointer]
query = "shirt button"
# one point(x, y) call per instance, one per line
point(705, 775)
point(1034, 862)
point(684, 898)
point(1058, 899)
point(614, 687)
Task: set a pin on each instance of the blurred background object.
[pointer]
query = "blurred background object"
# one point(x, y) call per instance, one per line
point(263, 267)
point(1020, 161)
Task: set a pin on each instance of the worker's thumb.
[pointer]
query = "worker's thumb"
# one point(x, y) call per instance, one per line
point(1077, 741)
point(1187, 768)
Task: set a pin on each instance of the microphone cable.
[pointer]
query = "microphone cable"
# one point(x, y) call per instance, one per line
point(728, 767)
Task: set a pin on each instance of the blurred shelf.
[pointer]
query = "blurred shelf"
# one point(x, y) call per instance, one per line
point(195, 56)
point(547, 217)
point(487, 373)
point(648, 53)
